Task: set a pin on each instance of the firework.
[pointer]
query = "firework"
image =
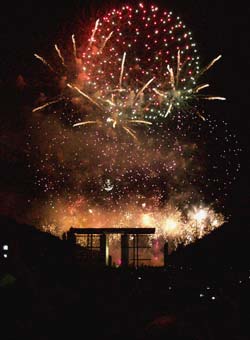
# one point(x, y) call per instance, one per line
point(140, 64)
point(138, 73)
point(151, 66)
point(172, 225)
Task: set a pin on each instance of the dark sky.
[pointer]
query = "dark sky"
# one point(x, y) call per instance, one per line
point(218, 28)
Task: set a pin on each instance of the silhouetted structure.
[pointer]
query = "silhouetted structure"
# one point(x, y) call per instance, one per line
point(96, 240)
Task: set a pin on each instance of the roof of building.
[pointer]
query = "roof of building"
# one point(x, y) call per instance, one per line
point(112, 230)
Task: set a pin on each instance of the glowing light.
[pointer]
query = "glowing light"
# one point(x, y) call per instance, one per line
point(147, 220)
point(170, 224)
point(200, 215)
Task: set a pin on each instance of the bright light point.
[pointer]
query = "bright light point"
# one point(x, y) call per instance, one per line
point(215, 223)
point(200, 215)
point(5, 247)
point(213, 297)
point(147, 219)
point(5, 256)
point(90, 211)
point(170, 224)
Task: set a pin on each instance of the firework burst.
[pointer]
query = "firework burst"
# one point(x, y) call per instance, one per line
point(125, 145)
point(139, 65)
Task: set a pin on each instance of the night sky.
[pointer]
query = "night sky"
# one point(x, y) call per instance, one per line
point(218, 28)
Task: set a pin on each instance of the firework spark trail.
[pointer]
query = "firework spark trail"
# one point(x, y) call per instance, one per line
point(180, 87)
point(178, 67)
point(84, 95)
point(143, 88)
point(164, 95)
point(200, 87)
point(210, 64)
point(172, 80)
point(105, 41)
point(122, 69)
point(60, 55)
point(44, 62)
point(130, 132)
point(94, 32)
point(47, 104)
point(140, 121)
point(160, 93)
point(169, 109)
point(85, 123)
point(213, 98)
point(110, 102)
point(200, 115)
point(74, 44)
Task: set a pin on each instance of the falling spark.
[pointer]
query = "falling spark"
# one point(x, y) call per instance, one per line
point(74, 44)
point(210, 64)
point(143, 88)
point(169, 109)
point(94, 32)
point(160, 93)
point(47, 104)
point(60, 55)
point(110, 102)
point(84, 95)
point(130, 132)
point(178, 67)
point(200, 115)
point(139, 121)
point(171, 77)
point(122, 69)
point(201, 87)
point(214, 98)
point(44, 62)
point(105, 42)
point(85, 123)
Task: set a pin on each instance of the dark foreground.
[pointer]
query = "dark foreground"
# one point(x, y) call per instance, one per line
point(44, 294)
